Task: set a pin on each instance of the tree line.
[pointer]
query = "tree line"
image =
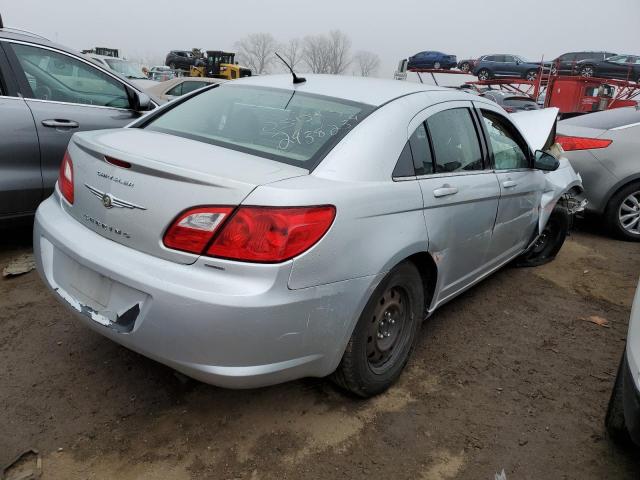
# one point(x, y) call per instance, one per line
point(322, 53)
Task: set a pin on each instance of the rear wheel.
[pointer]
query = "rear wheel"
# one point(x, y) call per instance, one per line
point(550, 241)
point(437, 65)
point(172, 66)
point(484, 74)
point(531, 75)
point(465, 67)
point(614, 421)
point(587, 71)
point(622, 214)
point(383, 338)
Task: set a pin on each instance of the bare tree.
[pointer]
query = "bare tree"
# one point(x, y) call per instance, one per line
point(367, 63)
point(291, 52)
point(315, 53)
point(256, 51)
point(339, 52)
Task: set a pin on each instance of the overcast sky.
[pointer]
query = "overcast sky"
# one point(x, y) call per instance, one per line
point(394, 29)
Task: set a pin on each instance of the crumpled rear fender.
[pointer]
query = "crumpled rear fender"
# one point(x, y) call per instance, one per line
point(561, 181)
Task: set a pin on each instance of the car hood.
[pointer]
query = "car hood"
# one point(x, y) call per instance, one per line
point(536, 125)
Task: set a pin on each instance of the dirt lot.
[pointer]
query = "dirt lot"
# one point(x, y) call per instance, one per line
point(508, 376)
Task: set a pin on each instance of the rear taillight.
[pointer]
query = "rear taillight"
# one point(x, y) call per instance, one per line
point(570, 144)
point(65, 178)
point(271, 234)
point(194, 229)
point(116, 162)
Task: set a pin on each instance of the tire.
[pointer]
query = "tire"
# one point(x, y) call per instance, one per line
point(587, 71)
point(614, 420)
point(550, 240)
point(384, 336)
point(531, 75)
point(484, 74)
point(172, 66)
point(622, 204)
point(554, 70)
point(437, 66)
point(465, 67)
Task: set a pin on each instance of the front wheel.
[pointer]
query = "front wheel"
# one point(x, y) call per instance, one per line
point(623, 213)
point(437, 66)
point(531, 75)
point(383, 338)
point(465, 67)
point(550, 241)
point(587, 71)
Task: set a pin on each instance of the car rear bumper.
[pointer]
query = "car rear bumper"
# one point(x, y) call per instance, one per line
point(225, 323)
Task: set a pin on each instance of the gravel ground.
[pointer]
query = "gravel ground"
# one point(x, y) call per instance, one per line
point(511, 375)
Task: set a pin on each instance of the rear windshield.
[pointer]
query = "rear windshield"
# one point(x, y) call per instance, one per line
point(283, 125)
point(519, 102)
point(614, 118)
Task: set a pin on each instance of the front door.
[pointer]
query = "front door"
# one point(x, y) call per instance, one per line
point(66, 95)
point(460, 195)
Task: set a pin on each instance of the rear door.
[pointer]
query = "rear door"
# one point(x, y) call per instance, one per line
point(521, 186)
point(66, 94)
point(20, 177)
point(460, 196)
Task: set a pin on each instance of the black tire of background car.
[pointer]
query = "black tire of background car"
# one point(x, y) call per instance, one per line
point(465, 67)
point(437, 65)
point(172, 66)
point(611, 219)
point(354, 373)
point(587, 71)
point(614, 420)
point(553, 237)
point(531, 75)
point(484, 74)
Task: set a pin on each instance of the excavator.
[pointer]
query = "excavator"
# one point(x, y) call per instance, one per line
point(218, 64)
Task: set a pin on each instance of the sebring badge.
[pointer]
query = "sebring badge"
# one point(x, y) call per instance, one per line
point(109, 201)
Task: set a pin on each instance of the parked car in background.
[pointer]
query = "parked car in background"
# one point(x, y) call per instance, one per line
point(505, 65)
point(48, 93)
point(161, 73)
point(180, 59)
point(510, 102)
point(179, 86)
point(432, 59)
point(129, 70)
point(467, 64)
point(245, 194)
point(603, 147)
point(566, 63)
point(623, 414)
point(622, 67)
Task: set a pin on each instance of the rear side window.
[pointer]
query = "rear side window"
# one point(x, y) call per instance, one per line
point(188, 87)
point(283, 125)
point(404, 167)
point(455, 141)
point(617, 117)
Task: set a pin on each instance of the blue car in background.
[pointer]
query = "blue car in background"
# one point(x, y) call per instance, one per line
point(505, 65)
point(432, 59)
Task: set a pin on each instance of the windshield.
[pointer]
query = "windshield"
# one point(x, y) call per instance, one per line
point(128, 69)
point(283, 125)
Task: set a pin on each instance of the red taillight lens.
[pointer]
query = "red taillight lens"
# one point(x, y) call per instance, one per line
point(570, 144)
point(65, 177)
point(271, 234)
point(193, 229)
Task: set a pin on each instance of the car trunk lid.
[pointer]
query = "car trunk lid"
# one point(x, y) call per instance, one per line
point(163, 175)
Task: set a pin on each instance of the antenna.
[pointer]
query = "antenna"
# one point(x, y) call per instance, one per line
point(296, 79)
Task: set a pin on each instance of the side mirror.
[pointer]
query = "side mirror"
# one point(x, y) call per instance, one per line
point(142, 102)
point(545, 161)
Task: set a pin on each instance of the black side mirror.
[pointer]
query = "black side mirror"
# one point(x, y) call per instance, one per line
point(545, 161)
point(142, 102)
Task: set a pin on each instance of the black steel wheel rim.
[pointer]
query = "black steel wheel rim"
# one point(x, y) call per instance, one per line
point(389, 329)
point(549, 236)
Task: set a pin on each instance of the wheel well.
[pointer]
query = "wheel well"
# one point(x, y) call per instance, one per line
point(615, 191)
point(428, 272)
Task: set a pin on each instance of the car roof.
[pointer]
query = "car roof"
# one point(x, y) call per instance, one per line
point(372, 91)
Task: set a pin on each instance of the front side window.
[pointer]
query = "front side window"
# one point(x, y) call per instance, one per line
point(618, 59)
point(507, 153)
point(283, 125)
point(61, 78)
point(123, 67)
point(455, 141)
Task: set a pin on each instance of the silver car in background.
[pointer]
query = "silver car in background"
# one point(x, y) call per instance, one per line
point(260, 231)
point(604, 148)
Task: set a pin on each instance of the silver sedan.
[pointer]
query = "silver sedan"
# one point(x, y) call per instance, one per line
point(260, 231)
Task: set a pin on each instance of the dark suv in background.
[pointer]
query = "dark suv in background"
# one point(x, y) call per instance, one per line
point(180, 59)
point(504, 65)
point(566, 64)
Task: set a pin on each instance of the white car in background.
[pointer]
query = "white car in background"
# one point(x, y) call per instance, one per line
point(126, 68)
point(623, 414)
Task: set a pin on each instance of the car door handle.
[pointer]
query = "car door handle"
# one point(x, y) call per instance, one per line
point(509, 184)
point(444, 191)
point(58, 123)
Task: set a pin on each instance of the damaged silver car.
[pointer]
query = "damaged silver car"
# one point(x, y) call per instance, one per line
point(262, 230)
